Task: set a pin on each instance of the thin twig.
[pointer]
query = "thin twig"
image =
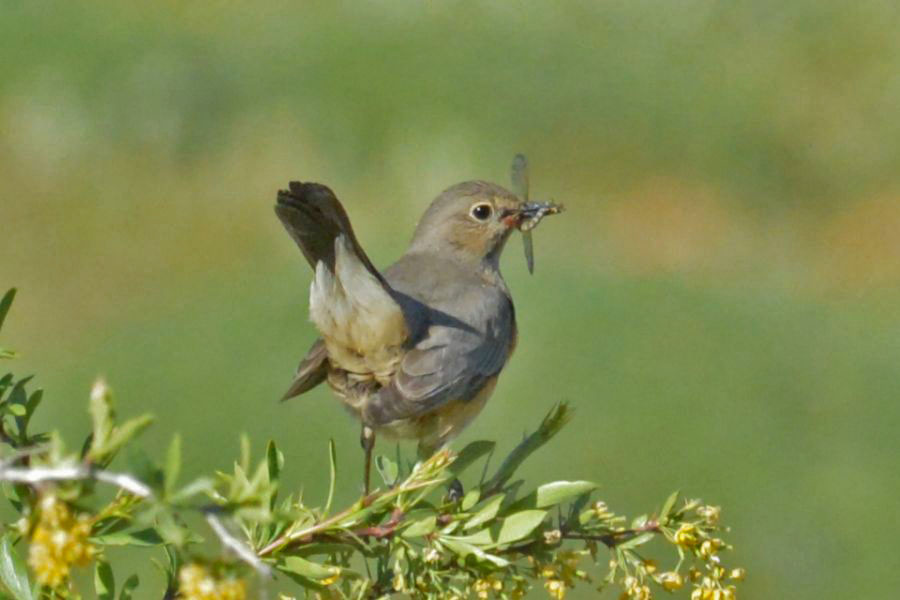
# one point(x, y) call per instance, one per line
point(239, 548)
point(75, 472)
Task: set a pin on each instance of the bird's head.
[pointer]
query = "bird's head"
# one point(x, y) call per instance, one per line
point(471, 222)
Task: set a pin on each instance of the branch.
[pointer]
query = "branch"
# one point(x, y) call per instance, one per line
point(34, 475)
point(239, 548)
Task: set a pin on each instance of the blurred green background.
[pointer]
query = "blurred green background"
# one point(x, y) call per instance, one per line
point(720, 302)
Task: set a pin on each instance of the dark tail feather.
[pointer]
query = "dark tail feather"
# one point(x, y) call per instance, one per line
point(314, 217)
point(312, 371)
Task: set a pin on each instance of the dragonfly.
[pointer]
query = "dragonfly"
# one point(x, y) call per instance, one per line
point(531, 212)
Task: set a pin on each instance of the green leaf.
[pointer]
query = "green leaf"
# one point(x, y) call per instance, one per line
point(511, 529)
point(307, 568)
point(332, 473)
point(126, 432)
point(558, 416)
point(421, 527)
point(5, 303)
point(173, 464)
point(471, 453)
point(487, 512)
point(141, 537)
point(470, 499)
point(519, 525)
point(637, 541)
point(274, 461)
point(387, 469)
point(33, 401)
point(552, 494)
point(667, 506)
point(102, 415)
point(104, 581)
point(128, 587)
point(201, 485)
point(12, 571)
point(464, 549)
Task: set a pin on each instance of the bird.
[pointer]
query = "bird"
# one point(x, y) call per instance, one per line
point(413, 351)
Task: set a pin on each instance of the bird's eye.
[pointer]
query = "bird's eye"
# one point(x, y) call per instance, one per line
point(481, 212)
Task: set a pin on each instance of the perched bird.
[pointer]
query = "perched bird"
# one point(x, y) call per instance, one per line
point(415, 351)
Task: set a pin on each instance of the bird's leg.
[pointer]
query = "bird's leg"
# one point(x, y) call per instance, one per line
point(367, 440)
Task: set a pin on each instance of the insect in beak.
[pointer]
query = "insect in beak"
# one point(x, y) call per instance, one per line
point(528, 217)
point(529, 214)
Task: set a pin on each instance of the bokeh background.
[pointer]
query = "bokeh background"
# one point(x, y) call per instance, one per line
point(720, 302)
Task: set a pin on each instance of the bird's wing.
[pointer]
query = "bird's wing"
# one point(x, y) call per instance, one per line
point(312, 371)
point(351, 304)
point(453, 361)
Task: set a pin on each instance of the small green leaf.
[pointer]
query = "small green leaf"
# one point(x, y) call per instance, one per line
point(173, 464)
point(201, 485)
point(637, 541)
point(141, 537)
point(667, 506)
point(17, 410)
point(102, 415)
point(33, 401)
point(555, 420)
point(471, 453)
point(552, 494)
point(511, 529)
point(128, 587)
point(13, 573)
point(307, 568)
point(274, 461)
point(421, 527)
point(488, 512)
point(5, 303)
point(125, 433)
point(464, 549)
point(387, 469)
point(470, 499)
point(519, 525)
point(104, 581)
point(332, 474)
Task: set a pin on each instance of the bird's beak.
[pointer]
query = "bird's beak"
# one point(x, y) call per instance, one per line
point(529, 214)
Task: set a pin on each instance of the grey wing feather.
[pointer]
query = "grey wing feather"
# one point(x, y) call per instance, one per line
point(449, 363)
point(312, 371)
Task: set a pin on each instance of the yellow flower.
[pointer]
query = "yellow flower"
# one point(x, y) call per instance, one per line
point(482, 588)
point(196, 582)
point(59, 542)
point(671, 581)
point(556, 588)
point(686, 536)
point(335, 575)
point(737, 574)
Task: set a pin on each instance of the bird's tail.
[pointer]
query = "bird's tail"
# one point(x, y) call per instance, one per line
point(314, 218)
point(350, 303)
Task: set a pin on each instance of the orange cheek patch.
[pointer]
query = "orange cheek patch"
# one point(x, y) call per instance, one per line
point(511, 221)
